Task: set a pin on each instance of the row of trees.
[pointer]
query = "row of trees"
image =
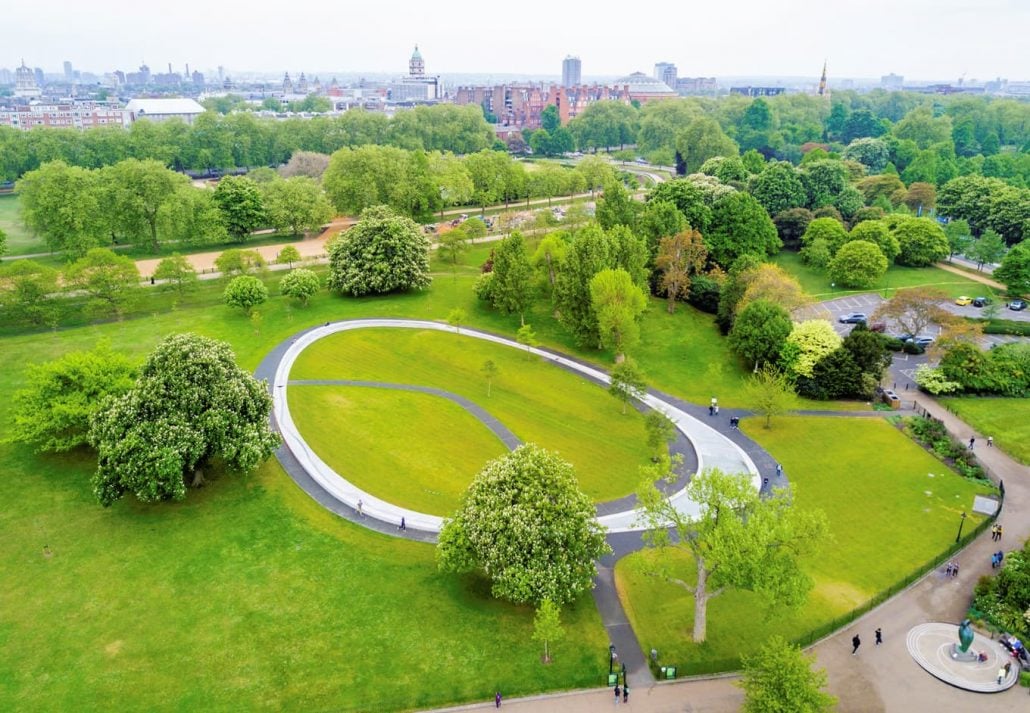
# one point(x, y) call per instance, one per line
point(241, 139)
point(416, 183)
point(74, 209)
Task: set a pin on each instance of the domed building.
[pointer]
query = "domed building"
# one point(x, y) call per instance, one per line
point(643, 87)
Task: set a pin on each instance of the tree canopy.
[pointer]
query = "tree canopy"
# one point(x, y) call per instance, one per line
point(527, 526)
point(384, 252)
point(191, 406)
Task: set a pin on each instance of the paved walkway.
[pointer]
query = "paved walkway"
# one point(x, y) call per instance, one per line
point(975, 276)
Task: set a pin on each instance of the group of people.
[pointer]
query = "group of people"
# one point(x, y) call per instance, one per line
point(951, 570)
point(1015, 647)
point(856, 640)
point(713, 408)
point(996, 532)
point(621, 692)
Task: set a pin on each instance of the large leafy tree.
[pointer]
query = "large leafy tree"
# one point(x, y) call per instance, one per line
point(191, 218)
point(858, 264)
point(791, 225)
point(827, 229)
point(878, 233)
point(300, 284)
point(618, 304)
point(871, 153)
point(770, 393)
point(588, 253)
point(245, 292)
point(921, 241)
point(778, 188)
point(383, 253)
point(617, 207)
point(177, 273)
point(813, 339)
point(239, 200)
point(511, 287)
point(778, 678)
point(605, 124)
point(988, 249)
point(190, 406)
point(659, 219)
point(688, 198)
point(52, 412)
point(296, 204)
point(1014, 271)
point(740, 226)
point(680, 256)
point(109, 281)
point(61, 204)
point(26, 293)
point(135, 192)
point(527, 526)
point(824, 180)
point(760, 331)
point(772, 283)
point(738, 540)
point(702, 139)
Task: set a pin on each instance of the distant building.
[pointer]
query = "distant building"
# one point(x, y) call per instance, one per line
point(198, 79)
point(6, 76)
point(824, 91)
point(571, 72)
point(302, 84)
point(40, 77)
point(163, 109)
point(696, 85)
point(69, 72)
point(64, 115)
point(140, 78)
point(892, 82)
point(665, 72)
point(417, 86)
point(757, 91)
point(25, 84)
point(642, 88)
point(287, 84)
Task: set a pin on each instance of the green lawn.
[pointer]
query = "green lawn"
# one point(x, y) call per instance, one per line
point(415, 450)
point(816, 282)
point(249, 595)
point(1007, 420)
point(19, 240)
point(891, 507)
point(540, 402)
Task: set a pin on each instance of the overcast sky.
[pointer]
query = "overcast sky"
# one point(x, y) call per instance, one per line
point(928, 39)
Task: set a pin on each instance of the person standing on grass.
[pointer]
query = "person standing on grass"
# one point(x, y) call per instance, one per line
point(855, 643)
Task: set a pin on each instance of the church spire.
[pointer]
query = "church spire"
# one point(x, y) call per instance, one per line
point(823, 90)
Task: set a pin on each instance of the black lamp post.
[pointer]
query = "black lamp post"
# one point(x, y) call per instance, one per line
point(960, 524)
point(611, 659)
point(624, 674)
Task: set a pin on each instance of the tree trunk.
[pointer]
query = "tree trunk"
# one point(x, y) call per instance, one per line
point(701, 602)
point(198, 478)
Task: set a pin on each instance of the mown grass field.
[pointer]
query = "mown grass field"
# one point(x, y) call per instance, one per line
point(415, 450)
point(891, 508)
point(540, 402)
point(250, 596)
point(1006, 420)
point(816, 281)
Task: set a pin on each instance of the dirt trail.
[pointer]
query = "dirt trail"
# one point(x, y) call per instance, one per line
point(310, 247)
point(972, 276)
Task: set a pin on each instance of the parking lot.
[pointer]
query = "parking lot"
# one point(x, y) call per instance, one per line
point(867, 303)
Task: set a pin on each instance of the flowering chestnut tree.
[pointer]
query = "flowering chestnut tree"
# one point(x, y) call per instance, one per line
point(525, 523)
point(191, 404)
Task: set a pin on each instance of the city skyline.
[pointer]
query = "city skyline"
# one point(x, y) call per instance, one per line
point(924, 39)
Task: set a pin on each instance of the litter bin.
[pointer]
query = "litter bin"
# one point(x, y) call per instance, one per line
point(892, 399)
point(613, 680)
point(670, 672)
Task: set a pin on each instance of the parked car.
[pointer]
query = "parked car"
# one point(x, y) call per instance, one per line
point(1017, 305)
point(963, 301)
point(923, 342)
point(982, 301)
point(853, 318)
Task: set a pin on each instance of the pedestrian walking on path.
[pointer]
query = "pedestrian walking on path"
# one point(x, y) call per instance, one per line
point(403, 525)
point(625, 694)
point(999, 533)
point(972, 440)
point(990, 441)
point(361, 509)
point(618, 694)
point(779, 470)
point(497, 699)
point(879, 636)
point(855, 643)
